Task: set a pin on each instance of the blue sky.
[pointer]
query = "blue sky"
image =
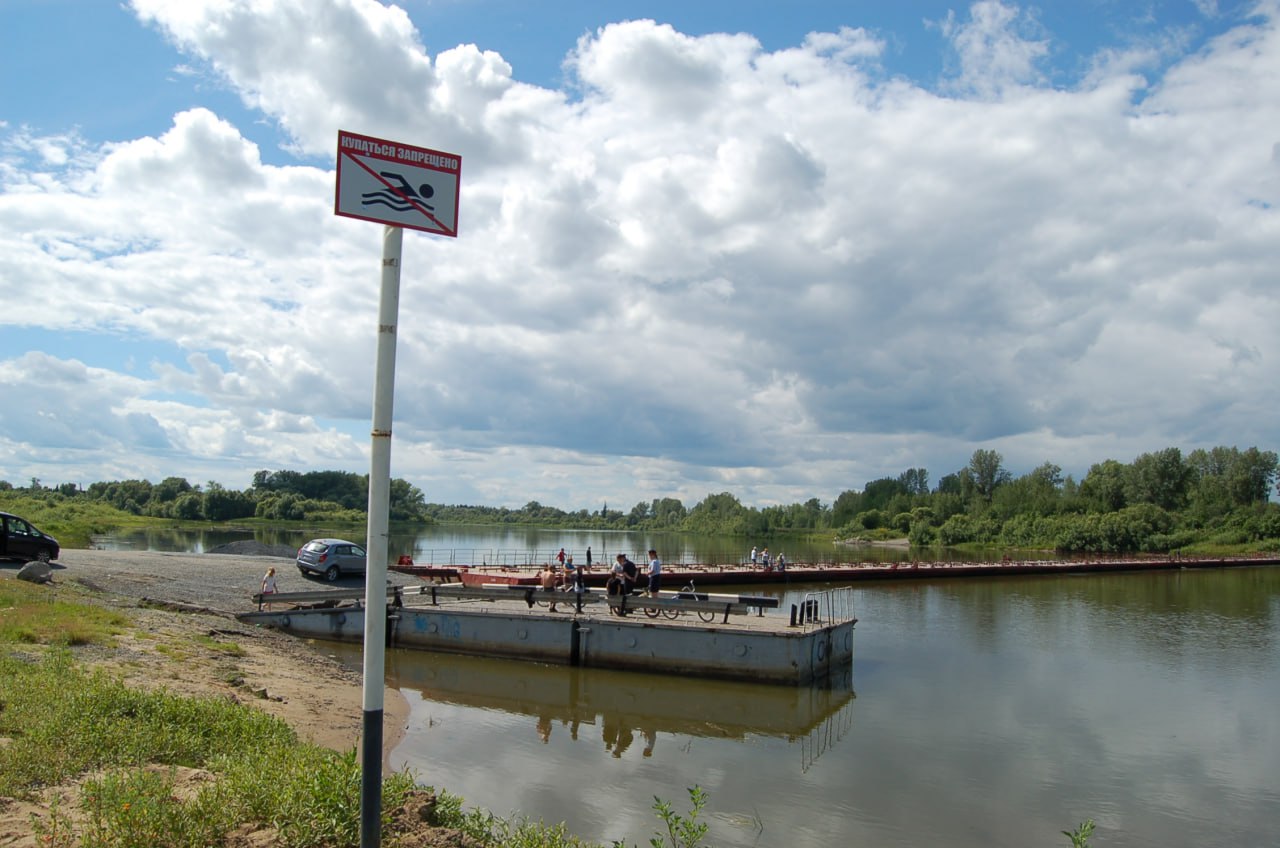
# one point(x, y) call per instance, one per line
point(774, 249)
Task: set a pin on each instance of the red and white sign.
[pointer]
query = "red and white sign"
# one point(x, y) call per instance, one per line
point(397, 184)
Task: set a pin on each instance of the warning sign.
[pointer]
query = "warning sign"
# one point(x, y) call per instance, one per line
point(397, 184)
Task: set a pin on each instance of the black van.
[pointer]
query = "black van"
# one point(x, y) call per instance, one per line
point(19, 540)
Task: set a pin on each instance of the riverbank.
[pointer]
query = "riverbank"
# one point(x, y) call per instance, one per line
point(185, 596)
point(183, 638)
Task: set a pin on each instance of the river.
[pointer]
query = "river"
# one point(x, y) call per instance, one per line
point(979, 712)
point(991, 712)
point(476, 545)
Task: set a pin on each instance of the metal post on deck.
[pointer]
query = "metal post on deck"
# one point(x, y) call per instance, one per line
point(375, 581)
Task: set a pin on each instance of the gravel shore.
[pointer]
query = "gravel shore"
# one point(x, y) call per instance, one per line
point(225, 582)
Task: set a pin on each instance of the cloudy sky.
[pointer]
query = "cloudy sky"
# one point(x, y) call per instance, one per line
point(773, 249)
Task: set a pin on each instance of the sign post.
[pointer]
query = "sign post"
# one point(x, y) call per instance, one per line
point(399, 186)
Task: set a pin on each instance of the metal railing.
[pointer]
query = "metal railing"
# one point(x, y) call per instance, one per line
point(602, 556)
point(823, 608)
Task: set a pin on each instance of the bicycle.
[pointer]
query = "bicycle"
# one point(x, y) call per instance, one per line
point(688, 593)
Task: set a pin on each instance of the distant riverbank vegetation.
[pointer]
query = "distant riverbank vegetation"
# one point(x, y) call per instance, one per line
point(1207, 499)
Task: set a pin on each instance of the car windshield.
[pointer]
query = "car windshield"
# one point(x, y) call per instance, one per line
point(315, 547)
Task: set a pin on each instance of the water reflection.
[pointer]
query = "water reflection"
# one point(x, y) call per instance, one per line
point(1175, 618)
point(627, 707)
point(200, 540)
point(496, 545)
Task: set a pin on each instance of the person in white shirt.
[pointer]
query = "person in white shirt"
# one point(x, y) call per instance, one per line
point(655, 573)
point(269, 585)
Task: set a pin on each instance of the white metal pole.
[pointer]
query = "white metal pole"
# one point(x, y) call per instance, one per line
point(375, 581)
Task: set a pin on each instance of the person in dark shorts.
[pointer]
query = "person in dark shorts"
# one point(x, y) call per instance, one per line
point(550, 582)
point(655, 573)
point(622, 581)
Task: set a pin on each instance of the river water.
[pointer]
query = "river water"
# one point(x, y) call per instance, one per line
point(978, 712)
point(468, 545)
point(991, 712)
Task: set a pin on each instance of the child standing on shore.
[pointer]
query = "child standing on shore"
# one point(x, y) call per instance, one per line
point(269, 584)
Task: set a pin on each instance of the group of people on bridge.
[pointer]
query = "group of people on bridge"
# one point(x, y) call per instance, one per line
point(761, 559)
point(624, 576)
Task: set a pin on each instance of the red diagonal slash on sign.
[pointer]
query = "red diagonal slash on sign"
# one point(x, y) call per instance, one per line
point(399, 192)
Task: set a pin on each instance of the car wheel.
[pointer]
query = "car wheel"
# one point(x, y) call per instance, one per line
point(44, 555)
point(332, 574)
point(303, 572)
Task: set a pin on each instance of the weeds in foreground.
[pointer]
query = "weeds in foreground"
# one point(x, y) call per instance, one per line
point(140, 808)
point(1080, 836)
point(682, 831)
point(63, 723)
point(488, 829)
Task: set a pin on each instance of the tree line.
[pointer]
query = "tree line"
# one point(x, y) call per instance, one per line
point(274, 495)
point(1160, 501)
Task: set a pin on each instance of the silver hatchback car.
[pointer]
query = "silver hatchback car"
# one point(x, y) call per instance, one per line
point(331, 557)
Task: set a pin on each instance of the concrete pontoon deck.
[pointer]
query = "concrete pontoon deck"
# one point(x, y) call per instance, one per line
point(742, 642)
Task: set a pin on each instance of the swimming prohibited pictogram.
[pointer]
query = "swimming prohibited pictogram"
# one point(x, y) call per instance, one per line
point(397, 184)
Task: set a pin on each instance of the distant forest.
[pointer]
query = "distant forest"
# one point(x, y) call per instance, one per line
point(1159, 502)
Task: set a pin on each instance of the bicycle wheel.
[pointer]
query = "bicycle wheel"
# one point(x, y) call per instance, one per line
point(692, 592)
point(652, 611)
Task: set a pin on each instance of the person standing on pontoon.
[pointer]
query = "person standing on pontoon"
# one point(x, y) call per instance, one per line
point(655, 573)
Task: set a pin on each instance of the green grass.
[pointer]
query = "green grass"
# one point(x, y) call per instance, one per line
point(35, 614)
point(230, 649)
point(63, 722)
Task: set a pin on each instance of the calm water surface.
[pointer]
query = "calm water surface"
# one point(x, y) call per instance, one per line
point(987, 713)
point(467, 545)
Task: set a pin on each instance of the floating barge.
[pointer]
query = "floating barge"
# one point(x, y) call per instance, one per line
point(740, 575)
point(716, 636)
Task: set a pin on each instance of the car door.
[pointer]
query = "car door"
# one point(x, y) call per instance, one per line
point(353, 558)
point(23, 541)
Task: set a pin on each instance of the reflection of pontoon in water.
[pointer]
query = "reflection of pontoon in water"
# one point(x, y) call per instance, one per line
point(624, 703)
